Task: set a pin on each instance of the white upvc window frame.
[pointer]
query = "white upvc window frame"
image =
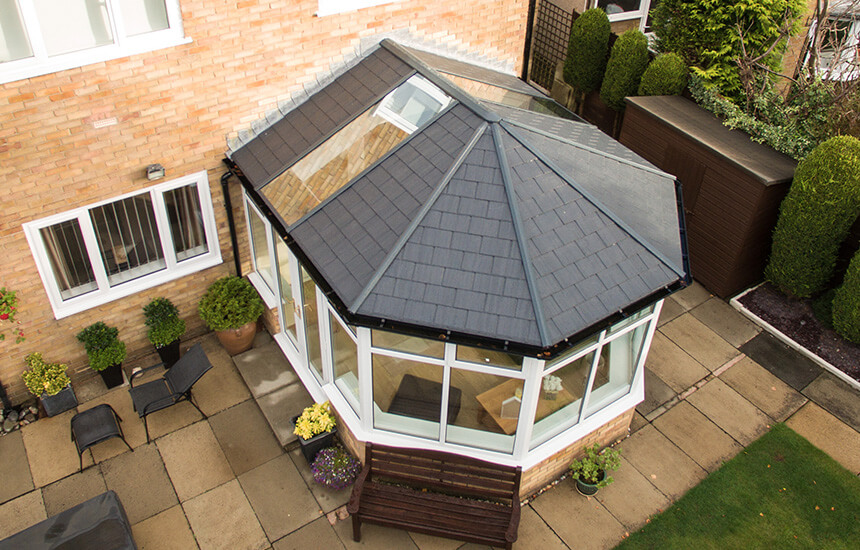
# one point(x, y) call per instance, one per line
point(268, 290)
point(331, 7)
point(41, 63)
point(641, 13)
point(104, 293)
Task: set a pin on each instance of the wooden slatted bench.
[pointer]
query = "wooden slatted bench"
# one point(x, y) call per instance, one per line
point(437, 493)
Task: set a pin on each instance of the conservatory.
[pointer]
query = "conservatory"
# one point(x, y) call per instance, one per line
point(456, 262)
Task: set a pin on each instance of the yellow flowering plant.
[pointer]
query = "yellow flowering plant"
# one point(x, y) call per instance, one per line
point(43, 377)
point(315, 420)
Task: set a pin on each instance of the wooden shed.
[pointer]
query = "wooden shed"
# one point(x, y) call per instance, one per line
point(732, 186)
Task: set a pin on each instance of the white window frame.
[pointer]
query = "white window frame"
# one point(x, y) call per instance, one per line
point(105, 293)
point(641, 13)
point(264, 287)
point(40, 63)
point(331, 7)
point(416, 81)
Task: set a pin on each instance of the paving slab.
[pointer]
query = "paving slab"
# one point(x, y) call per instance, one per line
point(730, 411)
point(837, 397)
point(328, 499)
point(638, 422)
point(702, 343)
point(672, 364)
point(17, 479)
point(20, 513)
point(428, 542)
point(726, 321)
point(829, 434)
point(657, 392)
point(245, 436)
point(222, 519)
point(665, 465)
point(692, 296)
point(141, 482)
point(131, 424)
point(671, 309)
point(90, 388)
point(50, 450)
point(265, 369)
point(73, 490)
point(631, 498)
point(698, 437)
point(317, 534)
point(221, 387)
point(171, 419)
point(194, 460)
point(168, 530)
point(280, 406)
point(535, 533)
point(774, 397)
point(787, 364)
point(580, 522)
point(374, 537)
point(280, 497)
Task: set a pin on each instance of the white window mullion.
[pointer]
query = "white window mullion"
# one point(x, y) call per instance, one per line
point(93, 250)
point(365, 379)
point(116, 22)
point(592, 374)
point(34, 30)
point(528, 406)
point(162, 222)
point(323, 320)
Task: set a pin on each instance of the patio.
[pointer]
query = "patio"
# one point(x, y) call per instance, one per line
point(229, 483)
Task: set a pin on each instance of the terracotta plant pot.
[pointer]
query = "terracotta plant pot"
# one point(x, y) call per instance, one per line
point(112, 376)
point(169, 354)
point(238, 340)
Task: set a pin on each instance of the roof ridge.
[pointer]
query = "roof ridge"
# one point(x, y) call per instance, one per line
point(401, 242)
point(521, 238)
point(444, 84)
point(584, 147)
point(593, 200)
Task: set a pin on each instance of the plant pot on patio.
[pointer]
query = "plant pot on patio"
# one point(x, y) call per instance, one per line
point(165, 329)
point(315, 429)
point(237, 340)
point(169, 354)
point(231, 307)
point(50, 383)
point(112, 376)
point(105, 351)
point(60, 402)
point(589, 472)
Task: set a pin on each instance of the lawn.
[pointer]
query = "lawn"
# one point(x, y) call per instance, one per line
point(781, 492)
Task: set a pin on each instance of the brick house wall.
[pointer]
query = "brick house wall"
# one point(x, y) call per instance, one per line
point(177, 107)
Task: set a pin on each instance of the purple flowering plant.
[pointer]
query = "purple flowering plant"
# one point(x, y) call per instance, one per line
point(335, 468)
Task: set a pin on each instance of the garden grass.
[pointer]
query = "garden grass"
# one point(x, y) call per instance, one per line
point(781, 492)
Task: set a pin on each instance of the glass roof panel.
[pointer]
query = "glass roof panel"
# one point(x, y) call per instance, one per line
point(496, 94)
point(355, 147)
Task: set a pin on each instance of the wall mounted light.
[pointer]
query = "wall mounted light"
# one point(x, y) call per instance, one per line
point(154, 171)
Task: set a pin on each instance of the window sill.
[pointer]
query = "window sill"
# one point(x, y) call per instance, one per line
point(263, 290)
point(21, 69)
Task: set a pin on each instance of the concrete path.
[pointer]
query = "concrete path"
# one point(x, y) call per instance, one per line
point(714, 383)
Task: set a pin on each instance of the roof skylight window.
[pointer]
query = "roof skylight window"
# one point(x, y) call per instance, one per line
point(412, 104)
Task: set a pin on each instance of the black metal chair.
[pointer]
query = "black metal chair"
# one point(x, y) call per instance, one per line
point(94, 426)
point(174, 386)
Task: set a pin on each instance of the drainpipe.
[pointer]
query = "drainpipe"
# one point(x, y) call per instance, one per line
point(228, 206)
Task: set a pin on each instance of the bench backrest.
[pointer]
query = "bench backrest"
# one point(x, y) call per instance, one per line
point(444, 472)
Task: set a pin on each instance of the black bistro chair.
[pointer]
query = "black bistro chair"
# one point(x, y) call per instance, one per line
point(94, 426)
point(174, 386)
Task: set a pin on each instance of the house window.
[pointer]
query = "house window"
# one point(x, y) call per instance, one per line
point(620, 10)
point(42, 36)
point(92, 255)
point(331, 7)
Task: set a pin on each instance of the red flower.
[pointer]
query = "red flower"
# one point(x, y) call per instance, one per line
point(4, 316)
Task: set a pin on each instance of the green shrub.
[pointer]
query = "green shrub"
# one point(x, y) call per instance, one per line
point(815, 217)
point(162, 319)
point(846, 303)
point(230, 303)
point(710, 35)
point(587, 50)
point(624, 70)
point(42, 377)
point(665, 75)
point(104, 349)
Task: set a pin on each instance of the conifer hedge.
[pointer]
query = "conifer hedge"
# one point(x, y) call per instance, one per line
point(587, 50)
point(624, 70)
point(815, 217)
point(846, 303)
point(665, 75)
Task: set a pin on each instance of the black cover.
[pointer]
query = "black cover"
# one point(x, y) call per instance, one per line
point(97, 523)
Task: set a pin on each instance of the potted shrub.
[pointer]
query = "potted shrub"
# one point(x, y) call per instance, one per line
point(50, 383)
point(315, 428)
point(105, 351)
point(165, 329)
point(335, 468)
point(231, 307)
point(587, 52)
point(590, 471)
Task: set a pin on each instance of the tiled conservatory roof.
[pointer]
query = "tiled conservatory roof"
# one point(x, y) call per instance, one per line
point(489, 222)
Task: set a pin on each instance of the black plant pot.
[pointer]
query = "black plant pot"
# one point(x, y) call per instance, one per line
point(59, 402)
point(169, 354)
point(586, 488)
point(112, 376)
point(310, 447)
